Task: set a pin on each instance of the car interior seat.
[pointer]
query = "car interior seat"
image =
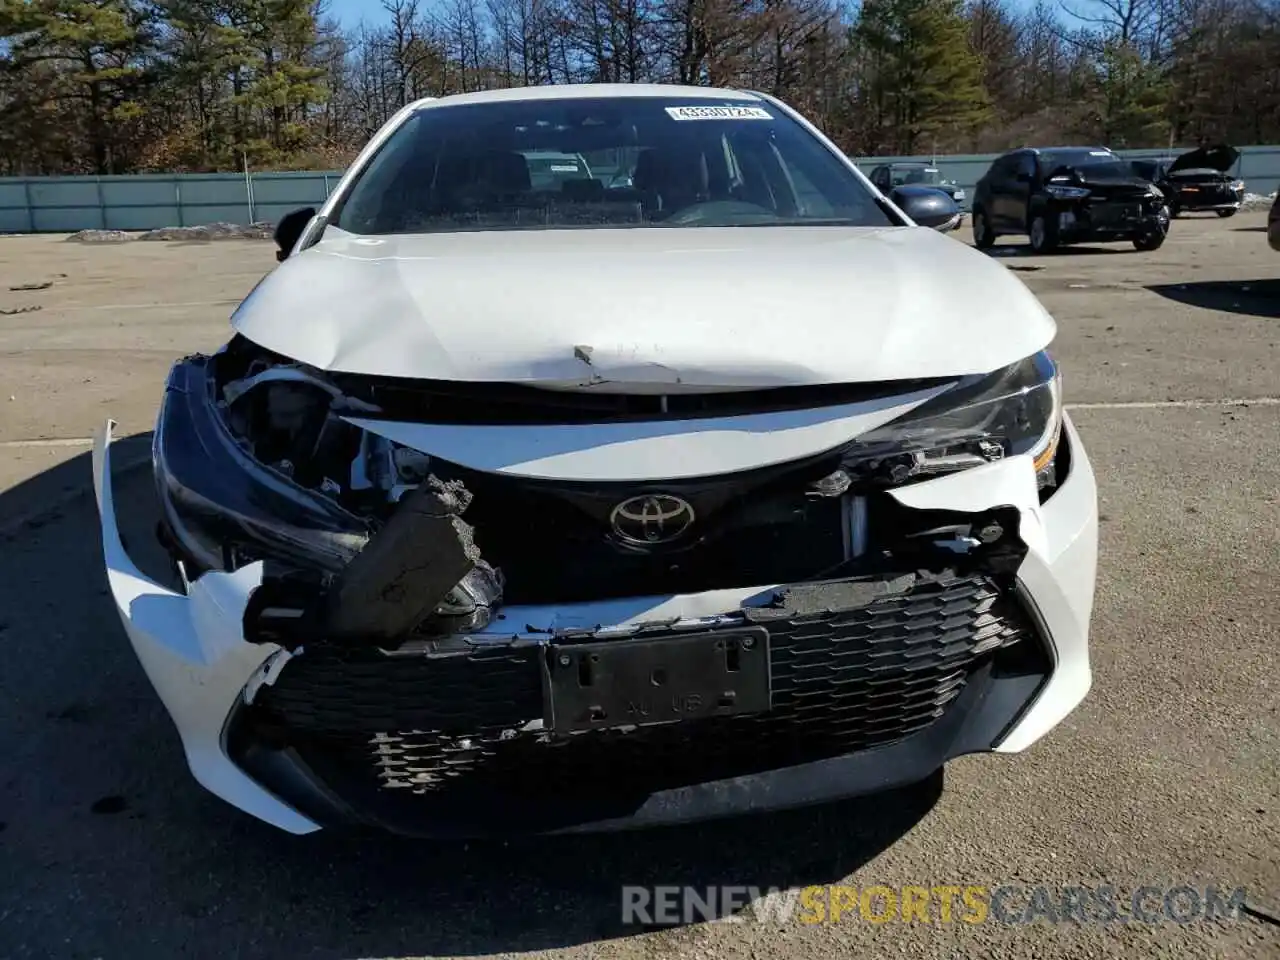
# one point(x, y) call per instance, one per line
point(671, 179)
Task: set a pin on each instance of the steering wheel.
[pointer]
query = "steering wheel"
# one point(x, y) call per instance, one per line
point(726, 210)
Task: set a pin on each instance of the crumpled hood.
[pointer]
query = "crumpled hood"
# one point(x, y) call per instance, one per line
point(1221, 157)
point(648, 308)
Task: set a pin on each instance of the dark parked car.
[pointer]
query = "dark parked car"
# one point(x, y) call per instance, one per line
point(1273, 225)
point(1197, 180)
point(1062, 195)
point(890, 175)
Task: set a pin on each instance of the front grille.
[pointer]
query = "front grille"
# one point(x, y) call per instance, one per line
point(425, 734)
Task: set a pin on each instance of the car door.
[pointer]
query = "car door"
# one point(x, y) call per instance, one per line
point(999, 184)
point(1017, 194)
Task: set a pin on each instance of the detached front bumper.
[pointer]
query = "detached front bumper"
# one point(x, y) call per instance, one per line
point(280, 734)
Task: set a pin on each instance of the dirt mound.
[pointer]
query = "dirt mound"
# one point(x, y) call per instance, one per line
point(100, 236)
point(211, 231)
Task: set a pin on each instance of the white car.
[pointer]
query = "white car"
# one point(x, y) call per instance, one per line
point(705, 483)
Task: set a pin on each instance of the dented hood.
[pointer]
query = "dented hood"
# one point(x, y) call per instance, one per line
point(658, 309)
point(1221, 157)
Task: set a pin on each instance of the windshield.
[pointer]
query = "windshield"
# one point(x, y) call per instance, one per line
point(1090, 163)
point(602, 162)
point(926, 175)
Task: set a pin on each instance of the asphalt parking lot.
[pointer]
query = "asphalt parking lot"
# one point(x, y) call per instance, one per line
point(1169, 774)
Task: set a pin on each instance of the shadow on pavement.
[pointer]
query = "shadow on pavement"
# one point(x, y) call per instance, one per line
point(1257, 298)
point(113, 850)
point(1024, 250)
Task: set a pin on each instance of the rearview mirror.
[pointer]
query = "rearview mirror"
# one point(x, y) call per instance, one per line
point(289, 229)
point(927, 206)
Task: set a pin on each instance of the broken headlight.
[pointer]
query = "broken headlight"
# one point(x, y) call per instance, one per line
point(1012, 412)
point(222, 506)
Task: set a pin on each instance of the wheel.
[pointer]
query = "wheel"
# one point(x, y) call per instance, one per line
point(983, 237)
point(1229, 212)
point(1174, 211)
point(1149, 241)
point(1043, 235)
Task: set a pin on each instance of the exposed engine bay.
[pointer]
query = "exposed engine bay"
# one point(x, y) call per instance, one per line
point(365, 539)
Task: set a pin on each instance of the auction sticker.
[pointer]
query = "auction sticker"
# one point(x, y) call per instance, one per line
point(718, 113)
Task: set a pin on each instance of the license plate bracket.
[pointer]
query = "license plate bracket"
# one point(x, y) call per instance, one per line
point(639, 682)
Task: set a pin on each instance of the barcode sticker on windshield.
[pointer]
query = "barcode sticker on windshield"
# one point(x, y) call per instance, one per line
point(1100, 153)
point(718, 113)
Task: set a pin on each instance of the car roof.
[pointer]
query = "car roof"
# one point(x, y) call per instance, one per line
point(1075, 149)
point(566, 91)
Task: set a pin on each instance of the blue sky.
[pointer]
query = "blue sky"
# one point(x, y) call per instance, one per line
point(350, 12)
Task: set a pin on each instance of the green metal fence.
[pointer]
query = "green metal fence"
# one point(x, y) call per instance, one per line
point(148, 201)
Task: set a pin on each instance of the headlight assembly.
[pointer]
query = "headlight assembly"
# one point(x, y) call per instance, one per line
point(221, 506)
point(1012, 412)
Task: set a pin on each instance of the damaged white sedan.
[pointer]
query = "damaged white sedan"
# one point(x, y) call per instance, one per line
point(679, 476)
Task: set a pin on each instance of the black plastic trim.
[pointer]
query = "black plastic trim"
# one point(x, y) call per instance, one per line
point(990, 703)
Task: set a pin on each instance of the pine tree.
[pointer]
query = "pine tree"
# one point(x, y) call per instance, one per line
point(1130, 97)
point(925, 78)
point(92, 55)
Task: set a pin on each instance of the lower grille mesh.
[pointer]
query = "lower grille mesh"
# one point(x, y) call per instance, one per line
point(423, 730)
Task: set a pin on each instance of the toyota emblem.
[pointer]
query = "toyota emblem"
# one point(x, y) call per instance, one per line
point(653, 518)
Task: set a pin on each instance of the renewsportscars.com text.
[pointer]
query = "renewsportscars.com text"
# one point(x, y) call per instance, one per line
point(941, 903)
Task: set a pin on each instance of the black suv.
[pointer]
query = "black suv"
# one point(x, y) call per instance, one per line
point(1062, 195)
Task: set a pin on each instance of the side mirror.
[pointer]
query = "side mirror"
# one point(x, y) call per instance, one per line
point(927, 206)
point(289, 229)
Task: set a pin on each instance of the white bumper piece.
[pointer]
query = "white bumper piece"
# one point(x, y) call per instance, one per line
point(193, 649)
point(194, 652)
